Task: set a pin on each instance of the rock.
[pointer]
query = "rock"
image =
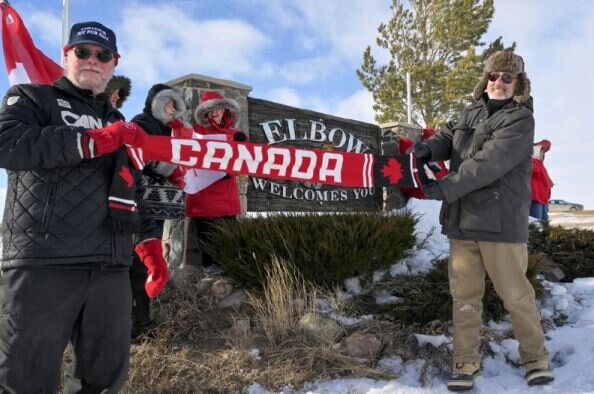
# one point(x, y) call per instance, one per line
point(234, 300)
point(321, 328)
point(220, 289)
point(185, 275)
point(363, 345)
point(550, 270)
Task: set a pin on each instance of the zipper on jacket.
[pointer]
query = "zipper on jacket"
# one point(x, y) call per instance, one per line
point(113, 250)
point(48, 207)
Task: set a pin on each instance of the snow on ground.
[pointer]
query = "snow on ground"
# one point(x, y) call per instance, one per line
point(572, 220)
point(571, 346)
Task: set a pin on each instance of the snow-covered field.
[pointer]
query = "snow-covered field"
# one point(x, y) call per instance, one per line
point(572, 220)
point(571, 346)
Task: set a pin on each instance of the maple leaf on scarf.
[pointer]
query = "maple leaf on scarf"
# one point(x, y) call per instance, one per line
point(126, 175)
point(392, 171)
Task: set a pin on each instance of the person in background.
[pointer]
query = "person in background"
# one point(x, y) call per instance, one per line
point(71, 209)
point(216, 117)
point(163, 198)
point(486, 199)
point(118, 89)
point(540, 183)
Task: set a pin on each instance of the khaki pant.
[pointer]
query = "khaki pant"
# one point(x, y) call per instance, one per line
point(506, 265)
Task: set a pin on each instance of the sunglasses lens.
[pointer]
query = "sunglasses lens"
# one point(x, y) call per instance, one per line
point(85, 53)
point(82, 53)
point(104, 56)
point(507, 78)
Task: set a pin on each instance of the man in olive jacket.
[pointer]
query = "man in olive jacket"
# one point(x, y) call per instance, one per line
point(486, 199)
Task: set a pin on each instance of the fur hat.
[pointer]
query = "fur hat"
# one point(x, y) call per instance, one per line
point(122, 83)
point(505, 61)
point(212, 100)
point(159, 101)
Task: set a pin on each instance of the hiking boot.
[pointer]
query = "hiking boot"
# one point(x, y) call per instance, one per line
point(213, 270)
point(538, 372)
point(144, 330)
point(462, 377)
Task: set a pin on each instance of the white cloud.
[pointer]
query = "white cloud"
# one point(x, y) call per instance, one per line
point(284, 95)
point(157, 49)
point(307, 70)
point(348, 29)
point(45, 25)
point(358, 106)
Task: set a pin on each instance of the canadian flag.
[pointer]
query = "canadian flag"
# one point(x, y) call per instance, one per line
point(24, 62)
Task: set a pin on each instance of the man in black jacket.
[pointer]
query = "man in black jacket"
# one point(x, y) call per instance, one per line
point(486, 198)
point(68, 221)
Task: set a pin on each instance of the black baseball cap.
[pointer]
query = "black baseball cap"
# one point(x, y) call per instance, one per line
point(93, 33)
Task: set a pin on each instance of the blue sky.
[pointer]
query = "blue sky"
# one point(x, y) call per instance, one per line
point(304, 53)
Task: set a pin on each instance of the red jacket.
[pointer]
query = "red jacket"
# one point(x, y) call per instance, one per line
point(540, 183)
point(222, 197)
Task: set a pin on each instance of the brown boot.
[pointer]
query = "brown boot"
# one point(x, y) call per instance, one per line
point(538, 372)
point(462, 377)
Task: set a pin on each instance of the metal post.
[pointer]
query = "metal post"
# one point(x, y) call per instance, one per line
point(65, 26)
point(408, 99)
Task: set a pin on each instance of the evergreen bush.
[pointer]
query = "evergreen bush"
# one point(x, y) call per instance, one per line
point(324, 248)
point(572, 249)
point(425, 297)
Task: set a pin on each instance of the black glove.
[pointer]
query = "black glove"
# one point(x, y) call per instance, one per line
point(395, 199)
point(390, 149)
point(239, 136)
point(433, 191)
point(422, 152)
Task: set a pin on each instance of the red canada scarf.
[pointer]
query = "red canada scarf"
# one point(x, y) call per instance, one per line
point(343, 169)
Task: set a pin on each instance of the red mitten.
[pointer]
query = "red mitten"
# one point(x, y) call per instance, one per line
point(180, 129)
point(151, 254)
point(175, 124)
point(110, 138)
point(177, 177)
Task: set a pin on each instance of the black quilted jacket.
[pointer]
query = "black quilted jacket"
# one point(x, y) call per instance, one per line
point(56, 203)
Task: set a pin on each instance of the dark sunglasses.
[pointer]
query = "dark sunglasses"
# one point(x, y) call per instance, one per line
point(505, 77)
point(104, 56)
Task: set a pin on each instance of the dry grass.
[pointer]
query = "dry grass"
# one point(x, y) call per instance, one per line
point(285, 299)
point(202, 349)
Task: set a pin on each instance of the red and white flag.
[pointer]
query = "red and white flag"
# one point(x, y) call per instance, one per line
point(24, 62)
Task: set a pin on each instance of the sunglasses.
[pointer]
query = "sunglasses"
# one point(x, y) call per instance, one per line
point(505, 77)
point(83, 53)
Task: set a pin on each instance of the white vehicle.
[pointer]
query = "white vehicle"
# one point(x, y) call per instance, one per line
point(564, 206)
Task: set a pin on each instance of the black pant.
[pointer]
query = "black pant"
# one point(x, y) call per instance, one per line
point(42, 309)
point(141, 316)
point(203, 228)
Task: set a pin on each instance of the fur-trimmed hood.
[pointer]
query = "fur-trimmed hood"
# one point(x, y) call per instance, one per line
point(211, 100)
point(505, 61)
point(156, 99)
point(119, 82)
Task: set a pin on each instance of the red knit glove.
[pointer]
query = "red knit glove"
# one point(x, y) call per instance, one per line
point(180, 130)
point(110, 138)
point(175, 124)
point(177, 177)
point(151, 254)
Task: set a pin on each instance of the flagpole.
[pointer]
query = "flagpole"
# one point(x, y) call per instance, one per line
point(65, 26)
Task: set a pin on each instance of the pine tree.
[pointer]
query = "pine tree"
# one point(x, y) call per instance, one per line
point(436, 41)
